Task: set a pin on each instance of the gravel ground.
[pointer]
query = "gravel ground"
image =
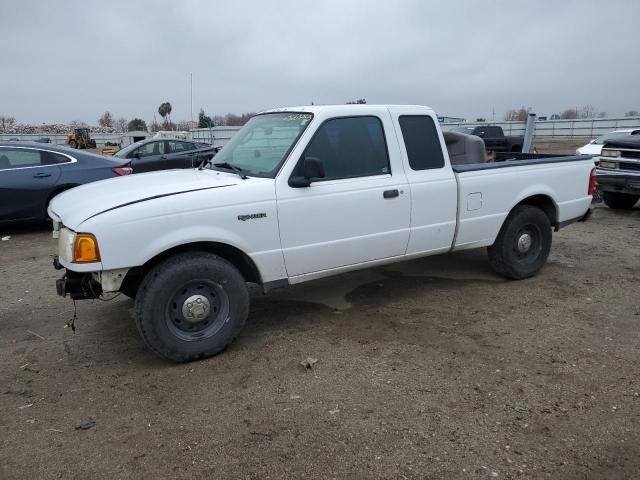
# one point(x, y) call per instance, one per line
point(566, 145)
point(433, 368)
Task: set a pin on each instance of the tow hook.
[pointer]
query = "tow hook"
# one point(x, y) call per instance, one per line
point(56, 263)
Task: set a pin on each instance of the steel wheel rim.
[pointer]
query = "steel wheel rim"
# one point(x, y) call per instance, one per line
point(204, 321)
point(527, 244)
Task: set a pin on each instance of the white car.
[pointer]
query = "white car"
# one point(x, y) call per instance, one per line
point(594, 147)
point(298, 194)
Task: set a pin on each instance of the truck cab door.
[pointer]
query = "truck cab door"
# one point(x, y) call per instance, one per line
point(359, 211)
point(434, 190)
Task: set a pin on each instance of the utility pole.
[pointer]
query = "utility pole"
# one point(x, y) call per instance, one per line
point(191, 78)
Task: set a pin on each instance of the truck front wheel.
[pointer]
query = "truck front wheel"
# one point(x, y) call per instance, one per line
point(191, 306)
point(622, 201)
point(523, 244)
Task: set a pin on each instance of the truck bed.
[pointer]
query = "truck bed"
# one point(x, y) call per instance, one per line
point(488, 191)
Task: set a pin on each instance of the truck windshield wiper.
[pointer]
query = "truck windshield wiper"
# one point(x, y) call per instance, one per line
point(235, 169)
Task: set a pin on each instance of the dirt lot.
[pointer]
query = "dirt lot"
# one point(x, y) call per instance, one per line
point(429, 369)
point(566, 145)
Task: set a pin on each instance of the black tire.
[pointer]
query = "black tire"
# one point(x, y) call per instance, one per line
point(177, 284)
point(73, 144)
point(621, 201)
point(129, 288)
point(523, 243)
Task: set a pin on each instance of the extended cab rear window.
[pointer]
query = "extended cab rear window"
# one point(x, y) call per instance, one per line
point(421, 141)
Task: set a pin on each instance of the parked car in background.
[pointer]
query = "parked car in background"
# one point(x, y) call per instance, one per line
point(164, 154)
point(31, 174)
point(618, 172)
point(494, 138)
point(594, 147)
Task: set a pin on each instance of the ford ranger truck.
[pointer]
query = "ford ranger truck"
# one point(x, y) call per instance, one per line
point(299, 194)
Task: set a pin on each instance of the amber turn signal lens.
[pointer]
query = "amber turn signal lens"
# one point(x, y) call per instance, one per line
point(85, 249)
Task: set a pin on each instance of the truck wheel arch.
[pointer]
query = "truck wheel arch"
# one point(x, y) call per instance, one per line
point(239, 259)
point(544, 203)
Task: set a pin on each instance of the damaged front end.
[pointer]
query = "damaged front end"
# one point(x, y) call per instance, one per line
point(79, 286)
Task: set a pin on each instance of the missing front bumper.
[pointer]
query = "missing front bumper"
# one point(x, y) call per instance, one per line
point(79, 286)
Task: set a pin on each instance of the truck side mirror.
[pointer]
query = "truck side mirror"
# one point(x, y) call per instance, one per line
point(312, 167)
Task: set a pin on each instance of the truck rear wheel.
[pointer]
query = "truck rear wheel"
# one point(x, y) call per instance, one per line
point(622, 201)
point(523, 244)
point(191, 306)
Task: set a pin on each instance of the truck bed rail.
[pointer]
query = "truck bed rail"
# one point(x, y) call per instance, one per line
point(519, 160)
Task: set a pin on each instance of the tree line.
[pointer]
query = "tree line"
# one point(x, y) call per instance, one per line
point(230, 119)
point(164, 110)
point(586, 111)
point(121, 124)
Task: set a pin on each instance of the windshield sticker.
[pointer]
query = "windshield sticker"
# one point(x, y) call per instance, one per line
point(305, 117)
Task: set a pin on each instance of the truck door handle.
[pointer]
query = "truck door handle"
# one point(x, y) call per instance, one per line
point(41, 175)
point(390, 193)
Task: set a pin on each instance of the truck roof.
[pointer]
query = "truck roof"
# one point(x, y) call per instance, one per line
point(341, 108)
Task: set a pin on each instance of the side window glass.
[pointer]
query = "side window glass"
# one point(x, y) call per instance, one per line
point(350, 147)
point(51, 158)
point(421, 141)
point(176, 147)
point(151, 148)
point(11, 158)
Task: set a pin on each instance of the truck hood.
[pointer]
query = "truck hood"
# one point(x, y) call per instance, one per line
point(81, 203)
point(632, 142)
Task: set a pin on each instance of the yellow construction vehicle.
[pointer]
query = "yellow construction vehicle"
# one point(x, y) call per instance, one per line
point(80, 138)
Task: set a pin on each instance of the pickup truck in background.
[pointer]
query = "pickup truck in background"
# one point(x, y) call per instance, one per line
point(302, 193)
point(494, 138)
point(618, 172)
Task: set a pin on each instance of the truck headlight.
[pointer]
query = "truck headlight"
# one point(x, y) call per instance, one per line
point(605, 164)
point(610, 153)
point(66, 239)
point(85, 248)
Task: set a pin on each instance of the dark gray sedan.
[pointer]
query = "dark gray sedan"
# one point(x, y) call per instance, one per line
point(165, 154)
point(31, 174)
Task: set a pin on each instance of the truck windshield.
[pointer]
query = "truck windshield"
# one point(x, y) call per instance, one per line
point(261, 146)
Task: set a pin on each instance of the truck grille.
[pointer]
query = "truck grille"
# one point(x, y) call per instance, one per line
point(630, 153)
point(629, 166)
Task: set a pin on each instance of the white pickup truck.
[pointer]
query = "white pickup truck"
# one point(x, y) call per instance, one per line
point(298, 194)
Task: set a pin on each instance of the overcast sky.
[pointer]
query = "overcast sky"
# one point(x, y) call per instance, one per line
point(64, 61)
